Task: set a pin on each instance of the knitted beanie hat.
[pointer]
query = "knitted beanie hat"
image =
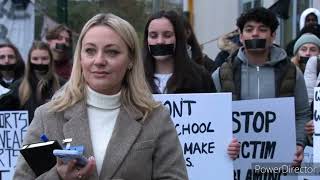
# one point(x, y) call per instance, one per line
point(304, 39)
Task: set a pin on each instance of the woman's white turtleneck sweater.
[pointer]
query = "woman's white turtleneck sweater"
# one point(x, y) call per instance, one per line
point(103, 111)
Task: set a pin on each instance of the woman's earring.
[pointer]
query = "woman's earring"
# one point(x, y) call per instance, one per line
point(130, 66)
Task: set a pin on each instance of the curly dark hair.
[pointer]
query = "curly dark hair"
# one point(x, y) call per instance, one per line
point(261, 15)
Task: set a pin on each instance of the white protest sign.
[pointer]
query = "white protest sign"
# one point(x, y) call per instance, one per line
point(204, 126)
point(316, 148)
point(13, 126)
point(308, 154)
point(266, 130)
point(316, 121)
point(308, 159)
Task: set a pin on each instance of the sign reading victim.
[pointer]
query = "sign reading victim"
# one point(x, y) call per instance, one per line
point(204, 126)
point(266, 130)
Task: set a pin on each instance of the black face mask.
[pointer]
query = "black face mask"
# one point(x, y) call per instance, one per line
point(61, 47)
point(253, 44)
point(7, 67)
point(303, 60)
point(161, 49)
point(44, 68)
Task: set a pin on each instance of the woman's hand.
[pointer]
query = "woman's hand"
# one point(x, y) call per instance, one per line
point(71, 171)
point(234, 149)
point(309, 127)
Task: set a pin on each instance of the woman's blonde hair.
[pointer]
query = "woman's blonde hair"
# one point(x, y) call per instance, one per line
point(135, 93)
point(25, 89)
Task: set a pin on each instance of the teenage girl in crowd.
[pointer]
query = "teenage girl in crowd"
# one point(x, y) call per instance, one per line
point(167, 64)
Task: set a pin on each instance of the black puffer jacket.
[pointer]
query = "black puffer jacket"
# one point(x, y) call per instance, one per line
point(11, 101)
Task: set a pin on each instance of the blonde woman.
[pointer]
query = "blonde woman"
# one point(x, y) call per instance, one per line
point(107, 107)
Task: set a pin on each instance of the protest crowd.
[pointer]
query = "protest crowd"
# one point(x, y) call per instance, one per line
point(101, 93)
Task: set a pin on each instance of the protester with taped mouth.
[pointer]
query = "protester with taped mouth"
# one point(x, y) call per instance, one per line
point(260, 69)
point(38, 84)
point(306, 46)
point(307, 50)
point(312, 79)
point(167, 64)
point(11, 65)
point(60, 42)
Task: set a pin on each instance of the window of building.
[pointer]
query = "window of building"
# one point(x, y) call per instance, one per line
point(248, 4)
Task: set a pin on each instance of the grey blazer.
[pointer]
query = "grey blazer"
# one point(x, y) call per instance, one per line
point(137, 150)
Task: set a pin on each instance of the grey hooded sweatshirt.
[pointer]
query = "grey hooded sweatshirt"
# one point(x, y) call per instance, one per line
point(258, 82)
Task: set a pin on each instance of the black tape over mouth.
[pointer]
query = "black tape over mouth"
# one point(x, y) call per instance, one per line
point(303, 60)
point(40, 67)
point(61, 47)
point(161, 49)
point(255, 44)
point(7, 67)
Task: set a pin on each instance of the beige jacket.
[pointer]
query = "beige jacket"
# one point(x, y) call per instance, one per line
point(137, 150)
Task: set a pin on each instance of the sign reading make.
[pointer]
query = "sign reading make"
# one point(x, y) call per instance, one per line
point(13, 126)
point(204, 126)
point(266, 130)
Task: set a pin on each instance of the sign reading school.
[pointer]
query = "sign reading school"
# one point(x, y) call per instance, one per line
point(13, 126)
point(266, 130)
point(204, 126)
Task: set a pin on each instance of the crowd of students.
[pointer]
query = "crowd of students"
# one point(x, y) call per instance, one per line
point(102, 97)
point(33, 82)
